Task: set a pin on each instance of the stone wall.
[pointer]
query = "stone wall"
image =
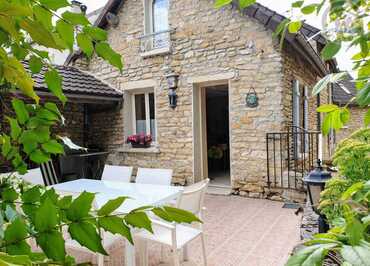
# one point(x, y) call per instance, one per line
point(205, 43)
point(356, 121)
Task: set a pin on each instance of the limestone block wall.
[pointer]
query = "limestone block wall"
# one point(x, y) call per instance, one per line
point(205, 42)
point(356, 121)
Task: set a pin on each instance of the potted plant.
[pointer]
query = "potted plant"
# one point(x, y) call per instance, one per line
point(140, 140)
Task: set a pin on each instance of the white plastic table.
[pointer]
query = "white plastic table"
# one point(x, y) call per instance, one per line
point(140, 195)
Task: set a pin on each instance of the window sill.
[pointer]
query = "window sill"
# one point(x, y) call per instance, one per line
point(155, 52)
point(128, 149)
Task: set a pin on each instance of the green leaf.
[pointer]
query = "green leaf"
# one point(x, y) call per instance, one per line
point(46, 217)
point(20, 110)
point(354, 231)
point(326, 108)
point(9, 195)
point(116, 225)
point(15, 129)
point(66, 33)
point(246, 3)
point(330, 50)
point(222, 3)
point(43, 16)
point(345, 115)
point(96, 33)
point(295, 26)
point(8, 260)
point(54, 82)
point(52, 243)
point(105, 51)
point(52, 146)
point(310, 256)
point(85, 234)
point(54, 4)
point(6, 146)
point(85, 43)
point(356, 255)
point(15, 9)
point(14, 236)
point(297, 4)
point(324, 82)
point(111, 206)
point(308, 9)
point(75, 18)
point(14, 72)
point(181, 216)
point(35, 64)
point(39, 33)
point(31, 195)
point(39, 156)
point(53, 108)
point(363, 96)
point(81, 206)
point(139, 220)
point(367, 118)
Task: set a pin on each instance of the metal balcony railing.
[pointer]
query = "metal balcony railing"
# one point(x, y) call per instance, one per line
point(155, 41)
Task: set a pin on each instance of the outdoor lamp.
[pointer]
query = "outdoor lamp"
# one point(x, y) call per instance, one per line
point(315, 182)
point(172, 82)
point(251, 99)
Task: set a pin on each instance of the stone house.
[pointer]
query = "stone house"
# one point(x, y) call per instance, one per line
point(223, 58)
point(343, 93)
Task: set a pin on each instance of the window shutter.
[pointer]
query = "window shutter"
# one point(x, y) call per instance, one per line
point(296, 108)
point(296, 118)
point(305, 117)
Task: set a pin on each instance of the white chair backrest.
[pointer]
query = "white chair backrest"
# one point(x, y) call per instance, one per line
point(33, 176)
point(48, 173)
point(154, 176)
point(117, 173)
point(192, 197)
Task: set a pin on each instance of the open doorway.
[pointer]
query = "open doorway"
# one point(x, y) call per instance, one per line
point(217, 124)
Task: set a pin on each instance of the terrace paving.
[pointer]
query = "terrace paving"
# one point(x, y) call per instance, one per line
point(239, 232)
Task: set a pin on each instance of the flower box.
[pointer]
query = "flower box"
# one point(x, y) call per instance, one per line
point(140, 140)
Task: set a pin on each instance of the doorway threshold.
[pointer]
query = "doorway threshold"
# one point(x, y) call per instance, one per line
point(219, 189)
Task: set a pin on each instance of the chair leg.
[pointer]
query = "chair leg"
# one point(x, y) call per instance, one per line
point(100, 260)
point(143, 251)
point(162, 254)
point(176, 257)
point(185, 253)
point(204, 250)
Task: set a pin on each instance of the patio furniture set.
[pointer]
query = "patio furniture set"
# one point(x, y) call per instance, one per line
point(151, 187)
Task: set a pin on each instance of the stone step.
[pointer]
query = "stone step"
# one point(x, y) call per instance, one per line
point(219, 190)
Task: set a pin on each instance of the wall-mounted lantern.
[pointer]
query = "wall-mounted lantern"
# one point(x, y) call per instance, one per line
point(172, 82)
point(252, 98)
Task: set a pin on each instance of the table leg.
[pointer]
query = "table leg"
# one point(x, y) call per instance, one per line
point(129, 254)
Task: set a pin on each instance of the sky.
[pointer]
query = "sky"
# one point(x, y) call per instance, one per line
point(280, 6)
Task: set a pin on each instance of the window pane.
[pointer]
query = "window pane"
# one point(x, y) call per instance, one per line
point(152, 115)
point(140, 113)
point(160, 15)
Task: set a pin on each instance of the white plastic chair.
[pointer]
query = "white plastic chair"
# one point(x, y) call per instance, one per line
point(154, 176)
point(178, 236)
point(108, 239)
point(33, 176)
point(117, 173)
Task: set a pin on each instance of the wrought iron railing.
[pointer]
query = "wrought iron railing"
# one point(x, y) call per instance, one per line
point(155, 41)
point(290, 156)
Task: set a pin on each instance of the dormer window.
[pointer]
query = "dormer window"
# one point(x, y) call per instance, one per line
point(156, 39)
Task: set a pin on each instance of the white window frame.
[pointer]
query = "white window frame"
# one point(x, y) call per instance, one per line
point(146, 93)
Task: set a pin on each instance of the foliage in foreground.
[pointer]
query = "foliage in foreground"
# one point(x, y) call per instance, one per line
point(346, 24)
point(345, 203)
point(29, 29)
point(39, 215)
point(350, 235)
